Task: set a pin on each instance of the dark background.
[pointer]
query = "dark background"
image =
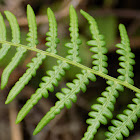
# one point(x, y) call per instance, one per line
point(70, 124)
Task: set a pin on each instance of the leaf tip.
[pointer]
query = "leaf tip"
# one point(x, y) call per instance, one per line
point(82, 12)
point(2, 84)
point(121, 25)
point(17, 120)
point(35, 132)
point(71, 6)
point(7, 102)
point(29, 6)
point(49, 9)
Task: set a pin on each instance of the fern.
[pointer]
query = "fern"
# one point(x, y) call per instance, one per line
point(36, 61)
point(125, 121)
point(58, 71)
point(20, 51)
point(5, 47)
point(102, 111)
point(130, 115)
point(98, 45)
point(68, 94)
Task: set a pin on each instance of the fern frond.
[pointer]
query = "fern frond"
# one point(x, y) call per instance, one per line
point(36, 61)
point(68, 94)
point(47, 85)
point(125, 121)
point(5, 47)
point(102, 110)
point(20, 51)
point(75, 41)
point(105, 106)
point(26, 77)
point(53, 75)
point(126, 75)
point(98, 43)
point(52, 34)
point(58, 71)
point(126, 58)
point(32, 34)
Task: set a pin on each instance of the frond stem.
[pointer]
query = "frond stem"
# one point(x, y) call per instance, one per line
point(129, 86)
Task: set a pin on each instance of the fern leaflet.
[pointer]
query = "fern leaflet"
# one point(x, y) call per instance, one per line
point(126, 58)
point(68, 94)
point(36, 61)
point(5, 47)
point(98, 43)
point(125, 121)
point(32, 34)
point(104, 109)
point(53, 75)
point(20, 51)
point(130, 115)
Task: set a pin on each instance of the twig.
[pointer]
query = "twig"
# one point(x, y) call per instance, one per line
point(16, 133)
point(123, 13)
point(64, 12)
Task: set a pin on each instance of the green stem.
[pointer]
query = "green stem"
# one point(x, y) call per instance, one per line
point(75, 64)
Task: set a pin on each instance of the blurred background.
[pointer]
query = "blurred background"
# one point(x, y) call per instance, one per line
point(69, 124)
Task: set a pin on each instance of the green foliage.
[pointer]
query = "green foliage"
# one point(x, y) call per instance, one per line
point(98, 45)
point(5, 47)
point(102, 111)
point(20, 51)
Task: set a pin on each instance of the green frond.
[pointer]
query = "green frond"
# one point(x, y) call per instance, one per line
point(14, 27)
point(105, 106)
point(102, 110)
point(126, 57)
point(36, 61)
point(26, 77)
point(75, 41)
point(32, 34)
point(48, 84)
point(51, 38)
point(125, 121)
point(53, 76)
point(5, 47)
point(67, 96)
point(20, 51)
point(98, 43)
